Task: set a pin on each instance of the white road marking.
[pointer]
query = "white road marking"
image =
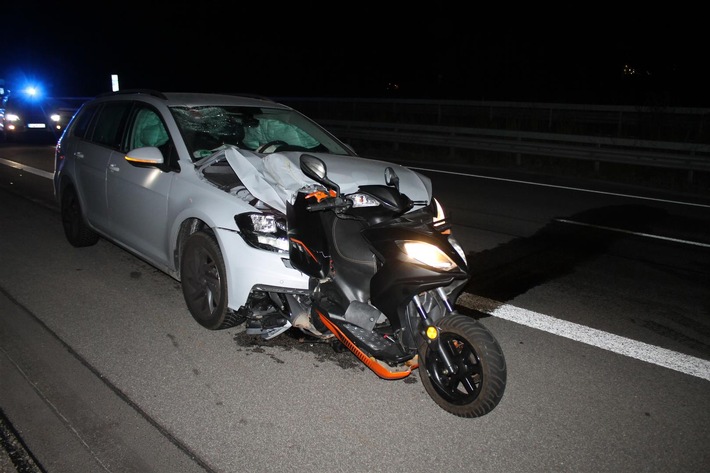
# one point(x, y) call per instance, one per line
point(624, 346)
point(23, 167)
point(647, 235)
point(692, 204)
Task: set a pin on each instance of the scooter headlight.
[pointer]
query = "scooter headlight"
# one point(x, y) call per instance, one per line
point(427, 254)
point(263, 230)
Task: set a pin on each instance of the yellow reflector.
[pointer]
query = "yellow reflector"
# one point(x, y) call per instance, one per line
point(432, 333)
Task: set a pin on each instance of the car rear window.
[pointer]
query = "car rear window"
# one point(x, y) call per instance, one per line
point(83, 120)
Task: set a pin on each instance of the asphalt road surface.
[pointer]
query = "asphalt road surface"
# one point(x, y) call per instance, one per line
point(599, 301)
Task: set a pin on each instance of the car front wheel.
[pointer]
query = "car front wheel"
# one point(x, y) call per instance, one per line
point(204, 282)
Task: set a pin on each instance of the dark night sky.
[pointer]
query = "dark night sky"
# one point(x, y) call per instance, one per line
point(360, 50)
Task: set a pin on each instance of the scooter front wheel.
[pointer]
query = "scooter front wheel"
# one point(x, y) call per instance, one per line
point(476, 385)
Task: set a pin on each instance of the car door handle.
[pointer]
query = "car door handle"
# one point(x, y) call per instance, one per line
point(79, 155)
point(113, 168)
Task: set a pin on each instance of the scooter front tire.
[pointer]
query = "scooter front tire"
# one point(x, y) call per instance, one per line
point(478, 384)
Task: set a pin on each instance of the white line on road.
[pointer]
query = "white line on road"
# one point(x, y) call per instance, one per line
point(647, 235)
point(693, 204)
point(624, 346)
point(23, 167)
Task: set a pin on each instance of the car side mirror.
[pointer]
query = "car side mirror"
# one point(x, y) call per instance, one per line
point(145, 156)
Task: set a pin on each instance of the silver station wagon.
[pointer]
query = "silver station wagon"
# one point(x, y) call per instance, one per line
point(197, 185)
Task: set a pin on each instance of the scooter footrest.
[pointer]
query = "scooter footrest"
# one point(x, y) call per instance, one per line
point(376, 344)
point(373, 340)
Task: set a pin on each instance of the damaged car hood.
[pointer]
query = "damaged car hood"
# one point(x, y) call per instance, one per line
point(276, 178)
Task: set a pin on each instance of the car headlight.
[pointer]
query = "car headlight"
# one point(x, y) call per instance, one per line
point(12, 117)
point(263, 230)
point(427, 254)
point(55, 117)
point(363, 200)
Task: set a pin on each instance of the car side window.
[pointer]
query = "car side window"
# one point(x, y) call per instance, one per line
point(147, 130)
point(110, 124)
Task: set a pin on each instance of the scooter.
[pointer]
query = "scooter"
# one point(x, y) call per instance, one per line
point(383, 281)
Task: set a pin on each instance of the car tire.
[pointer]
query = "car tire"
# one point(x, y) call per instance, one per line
point(203, 277)
point(76, 229)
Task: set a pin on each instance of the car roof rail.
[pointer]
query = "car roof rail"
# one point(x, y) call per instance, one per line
point(252, 96)
point(154, 93)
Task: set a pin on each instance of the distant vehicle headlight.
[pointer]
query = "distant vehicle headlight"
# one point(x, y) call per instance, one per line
point(11, 117)
point(55, 117)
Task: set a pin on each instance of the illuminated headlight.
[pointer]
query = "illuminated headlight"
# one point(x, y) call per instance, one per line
point(263, 230)
point(55, 117)
point(363, 200)
point(427, 254)
point(12, 117)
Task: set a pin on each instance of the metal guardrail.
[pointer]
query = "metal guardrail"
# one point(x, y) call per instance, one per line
point(685, 156)
point(688, 125)
point(673, 139)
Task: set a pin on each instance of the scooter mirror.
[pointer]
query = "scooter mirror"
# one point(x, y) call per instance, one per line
point(315, 168)
point(391, 178)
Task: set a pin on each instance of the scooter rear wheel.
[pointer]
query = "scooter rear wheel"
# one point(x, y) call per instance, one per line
point(478, 383)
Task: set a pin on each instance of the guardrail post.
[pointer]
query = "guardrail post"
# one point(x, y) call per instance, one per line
point(620, 122)
point(691, 172)
point(452, 149)
point(597, 163)
point(518, 156)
